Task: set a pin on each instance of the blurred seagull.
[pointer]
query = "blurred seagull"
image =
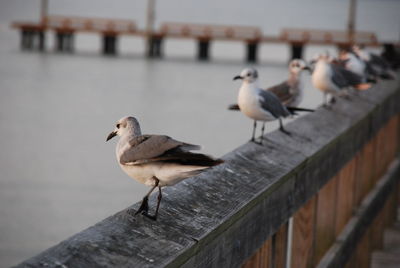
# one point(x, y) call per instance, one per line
point(156, 160)
point(376, 64)
point(259, 104)
point(333, 79)
point(289, 92)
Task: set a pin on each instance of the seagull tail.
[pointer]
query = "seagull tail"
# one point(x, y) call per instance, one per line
point(234, 107)
point(363, 86)
point(298, 109)
point(190, 147)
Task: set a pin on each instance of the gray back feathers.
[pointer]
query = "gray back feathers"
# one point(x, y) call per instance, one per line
point(271, 103)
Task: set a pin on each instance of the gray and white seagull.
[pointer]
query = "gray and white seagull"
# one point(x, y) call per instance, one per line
point(156, 160)
point(333, 79)
point(257, 103)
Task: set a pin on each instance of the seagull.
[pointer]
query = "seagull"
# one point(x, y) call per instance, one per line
point(376, 64)
point(156, 160)
point(290, 92)
point(333, 79)
point(353, 63)
point(259, 104)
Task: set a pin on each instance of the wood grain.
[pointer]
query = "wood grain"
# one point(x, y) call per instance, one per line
point(303, 235)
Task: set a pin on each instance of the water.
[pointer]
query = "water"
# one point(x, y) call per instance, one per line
point(58, 175)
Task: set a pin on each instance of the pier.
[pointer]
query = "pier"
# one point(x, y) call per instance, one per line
point(321, 197)
point(33, 36)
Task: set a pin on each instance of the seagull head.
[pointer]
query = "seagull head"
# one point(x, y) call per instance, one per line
point(298, 65)
point(249, 75)
point(126, 125)
point(325, 57)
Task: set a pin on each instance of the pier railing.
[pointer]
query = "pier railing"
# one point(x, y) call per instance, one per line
point(320, 197)
point(64, 27)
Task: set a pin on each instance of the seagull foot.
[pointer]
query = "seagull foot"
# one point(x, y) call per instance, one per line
point(151, 217)
point(256, 142)
point(144, 207)
point(285, 131)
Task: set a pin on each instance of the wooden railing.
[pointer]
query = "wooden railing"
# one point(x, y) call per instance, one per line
point(209, 31)
point(327, 36)
point(320, 197)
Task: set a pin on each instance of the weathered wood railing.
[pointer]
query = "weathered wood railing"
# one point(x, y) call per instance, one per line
point(336, 176)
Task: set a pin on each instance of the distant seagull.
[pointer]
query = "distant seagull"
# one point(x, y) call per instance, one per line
point(259, 104)
point(333, 79)
point(156, 160)
point(289, 92)
point(353, 63)
point(375, 64)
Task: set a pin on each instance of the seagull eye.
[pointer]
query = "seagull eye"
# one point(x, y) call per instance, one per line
point(249, 74)
point(118, 125)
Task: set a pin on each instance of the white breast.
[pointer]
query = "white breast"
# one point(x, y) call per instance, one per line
point(249, 103)
point(322, 77)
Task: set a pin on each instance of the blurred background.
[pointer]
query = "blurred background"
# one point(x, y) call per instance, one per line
point(57, 173)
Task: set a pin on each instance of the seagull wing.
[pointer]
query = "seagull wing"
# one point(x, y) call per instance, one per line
point(282, 91)
point(344, 78)
point(271, 103)
point(146, 147)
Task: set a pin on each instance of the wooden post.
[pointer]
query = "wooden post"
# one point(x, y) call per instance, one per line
point(150, 18)
point(43, 20)
point(44, 11)
point(203, 49)
point(297, 51)
point(109, 44)
point(42, 40)
point(351, 22)
point(155, 47)
point(252, 51)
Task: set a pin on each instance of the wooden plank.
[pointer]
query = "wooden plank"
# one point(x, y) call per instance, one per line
point(345, 198)
point(303, 235)
point(207, 222)
point(280, 251)
point(365, 171)
point(363, 251)
point(340, 253)
point(261, 258)
point(325, 219)
point(378, 228)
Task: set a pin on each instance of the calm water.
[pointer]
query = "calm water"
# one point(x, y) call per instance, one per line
point(57, 173)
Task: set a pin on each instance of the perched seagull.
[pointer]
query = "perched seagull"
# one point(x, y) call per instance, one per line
point(353, 63)
point(376, 64)
point(156, 160)
point(259, 104)
point(289, 92)
point(333, 79)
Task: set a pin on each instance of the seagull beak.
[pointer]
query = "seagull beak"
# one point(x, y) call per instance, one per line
point(237, 77)
point(111, 135)
point(308, 68)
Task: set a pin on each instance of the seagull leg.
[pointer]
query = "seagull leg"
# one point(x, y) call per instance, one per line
point(324, 96)
point(262, 133)
point(254, 131)
point(144, 207)
point(282, 129)
point(145, 213)
point(158, 202)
